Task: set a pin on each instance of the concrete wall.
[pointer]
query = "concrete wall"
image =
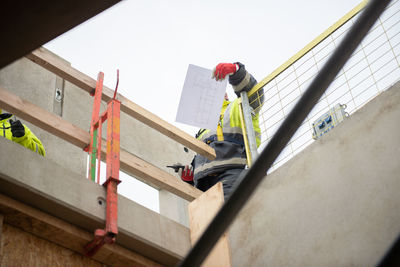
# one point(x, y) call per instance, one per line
point(37, 85)
point(46, 185)
point(334, 204)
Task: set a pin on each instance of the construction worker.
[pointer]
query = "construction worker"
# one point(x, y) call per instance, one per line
point(230, 158)
point(15, 131)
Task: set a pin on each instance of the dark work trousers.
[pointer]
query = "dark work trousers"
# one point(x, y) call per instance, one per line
point(228, 179)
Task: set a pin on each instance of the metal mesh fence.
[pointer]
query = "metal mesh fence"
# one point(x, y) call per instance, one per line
point(373, 68)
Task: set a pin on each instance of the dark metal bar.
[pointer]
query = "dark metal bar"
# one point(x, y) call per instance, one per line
point(26, 25)
point(392, 256)
point(251, 179)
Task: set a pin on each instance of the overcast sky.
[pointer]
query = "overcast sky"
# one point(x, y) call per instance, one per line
point(152, 42)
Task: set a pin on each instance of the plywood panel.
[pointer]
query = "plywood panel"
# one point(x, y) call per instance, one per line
point(72, 238)
point(24, 249)
point(201, 212)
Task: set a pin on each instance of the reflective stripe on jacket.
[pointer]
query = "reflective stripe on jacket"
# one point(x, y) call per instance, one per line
point(29, 140)
point(230, 153)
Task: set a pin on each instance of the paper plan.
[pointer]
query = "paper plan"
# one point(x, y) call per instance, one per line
point(201, 99)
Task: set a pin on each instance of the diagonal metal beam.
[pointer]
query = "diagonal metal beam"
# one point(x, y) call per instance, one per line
point(250, 180)
point(26, 25)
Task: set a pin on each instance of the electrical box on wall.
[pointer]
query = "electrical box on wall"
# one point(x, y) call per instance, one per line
point(329, 120)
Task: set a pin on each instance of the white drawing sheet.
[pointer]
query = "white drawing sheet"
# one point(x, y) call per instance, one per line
point(201, 99)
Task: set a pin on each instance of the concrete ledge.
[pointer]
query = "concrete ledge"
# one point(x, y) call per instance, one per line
point(48, 186)
point(336, 203)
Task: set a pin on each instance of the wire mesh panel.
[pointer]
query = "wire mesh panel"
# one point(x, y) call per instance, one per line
point(373, 68)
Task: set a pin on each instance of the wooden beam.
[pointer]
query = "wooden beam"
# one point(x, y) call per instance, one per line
point(201, 212)
point(133, 165)
point(64, 234)
point(43, 119)
point(49, 61)
point(156, 177)
point(26, 25)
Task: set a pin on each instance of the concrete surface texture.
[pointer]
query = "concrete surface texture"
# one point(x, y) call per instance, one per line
point(174, 207)
point(334, 204)
point(41, 183)
point(37, 85)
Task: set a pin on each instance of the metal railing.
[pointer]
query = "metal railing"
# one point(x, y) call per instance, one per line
point(248, 181)
point(372, 68)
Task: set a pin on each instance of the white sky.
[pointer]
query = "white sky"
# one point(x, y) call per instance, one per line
point(152, 42)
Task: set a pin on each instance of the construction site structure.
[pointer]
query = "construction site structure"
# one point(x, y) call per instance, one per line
point(333, 202)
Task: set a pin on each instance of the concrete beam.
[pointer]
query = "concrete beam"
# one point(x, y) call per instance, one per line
point(38, 182)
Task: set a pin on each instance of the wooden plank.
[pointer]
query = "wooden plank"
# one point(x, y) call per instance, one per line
point(43, 57)
point(156, 177)
point(64, 234)
point(133, 165)
point(43, 119)
point(201, 212)
point(49, 61)
point(26, 25)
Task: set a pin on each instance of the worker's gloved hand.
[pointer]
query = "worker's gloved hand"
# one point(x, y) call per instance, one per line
point(186, 174)
point(223, 69)
point(17, 129)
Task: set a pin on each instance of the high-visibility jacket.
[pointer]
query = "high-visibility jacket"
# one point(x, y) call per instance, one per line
point(29, 140)
point(230, 153)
